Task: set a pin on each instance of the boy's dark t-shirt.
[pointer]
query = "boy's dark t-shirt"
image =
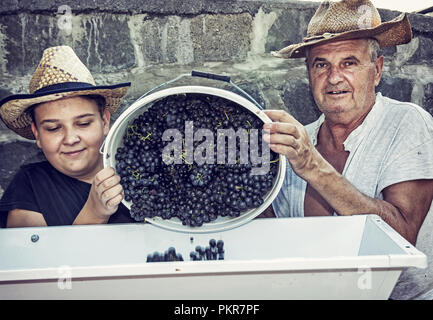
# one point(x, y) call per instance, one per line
point(40, 187)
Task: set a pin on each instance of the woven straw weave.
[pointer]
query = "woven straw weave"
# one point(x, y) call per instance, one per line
point(349, 19)
point(337, 17)
point(58, 65)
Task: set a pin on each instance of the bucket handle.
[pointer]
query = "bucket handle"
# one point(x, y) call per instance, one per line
point(207, 75)
point(101, 148)
point(194, 73)
point(225, 79)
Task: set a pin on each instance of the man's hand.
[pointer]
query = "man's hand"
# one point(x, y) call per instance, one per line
point(289, 137)
point(105, 195)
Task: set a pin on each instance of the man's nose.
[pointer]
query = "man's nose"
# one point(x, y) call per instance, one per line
point(335, 75)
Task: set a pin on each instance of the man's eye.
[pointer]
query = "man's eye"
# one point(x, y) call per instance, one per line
point(53, 129)
point(83, 124)
point(349, 63)
point(320, 65)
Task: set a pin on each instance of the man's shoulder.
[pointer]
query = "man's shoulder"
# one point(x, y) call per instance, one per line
point(410, 110)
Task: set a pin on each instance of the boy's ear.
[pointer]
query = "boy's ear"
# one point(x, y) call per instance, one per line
point(36, 134)
point(106, 116)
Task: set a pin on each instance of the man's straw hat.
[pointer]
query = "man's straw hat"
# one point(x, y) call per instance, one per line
point(349, 19)
point(59, 74)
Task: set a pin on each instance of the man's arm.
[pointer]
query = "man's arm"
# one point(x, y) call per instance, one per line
point(405, 204)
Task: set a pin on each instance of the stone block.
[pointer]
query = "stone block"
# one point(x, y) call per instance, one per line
point(8, 5)
point(290, 27)
point(221, 37)
point(161, 40)
point(172, 39)
point(422, 29)
point(4, 93)
point(396, 88)
point(101, 41)
point(299, 101)
point(421, 23)
point(171, 7)
point(252, 89)
point(424, 53)
point(428, 98)
point(25, 37)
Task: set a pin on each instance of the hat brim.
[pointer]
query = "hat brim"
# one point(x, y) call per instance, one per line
point(12, 108)
point(394, 32)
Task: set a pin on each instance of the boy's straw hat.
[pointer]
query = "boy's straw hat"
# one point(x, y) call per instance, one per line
point(59, 74)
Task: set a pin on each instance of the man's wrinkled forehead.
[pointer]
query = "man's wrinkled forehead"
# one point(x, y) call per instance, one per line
point(353, 47)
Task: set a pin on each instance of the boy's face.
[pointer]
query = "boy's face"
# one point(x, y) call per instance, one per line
point(70, 132)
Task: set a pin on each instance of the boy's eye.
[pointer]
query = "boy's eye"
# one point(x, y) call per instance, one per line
point(83, 124)
point(52, 129)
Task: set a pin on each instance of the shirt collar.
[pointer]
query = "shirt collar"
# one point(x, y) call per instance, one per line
point(356, 136)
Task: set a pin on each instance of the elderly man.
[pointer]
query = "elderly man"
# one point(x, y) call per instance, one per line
point(366, 154)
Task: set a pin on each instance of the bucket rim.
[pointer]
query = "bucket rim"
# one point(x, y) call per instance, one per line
point(213, 226)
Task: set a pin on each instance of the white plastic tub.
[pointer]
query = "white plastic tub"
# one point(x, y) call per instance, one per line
point(358, 257)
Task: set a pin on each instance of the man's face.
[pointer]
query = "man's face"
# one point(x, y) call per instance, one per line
point(343, 78)
point(70, 132)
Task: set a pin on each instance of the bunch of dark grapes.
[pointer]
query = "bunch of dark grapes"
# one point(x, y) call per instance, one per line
point(169, 255)
point(214, 251)
point(174, 186)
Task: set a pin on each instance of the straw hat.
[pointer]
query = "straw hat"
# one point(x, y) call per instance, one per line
point(349, 19)
point(60, 74)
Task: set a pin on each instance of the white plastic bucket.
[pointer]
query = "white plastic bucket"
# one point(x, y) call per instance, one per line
point(115, 137)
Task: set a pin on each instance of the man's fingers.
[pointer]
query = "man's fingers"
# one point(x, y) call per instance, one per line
point(288, 151)
point(279, 127)
point(282, 139)
point(281, 116)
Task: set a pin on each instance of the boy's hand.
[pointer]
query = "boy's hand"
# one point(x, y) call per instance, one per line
point(106, 193)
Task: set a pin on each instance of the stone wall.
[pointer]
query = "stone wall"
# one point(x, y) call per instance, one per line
point(151, 42)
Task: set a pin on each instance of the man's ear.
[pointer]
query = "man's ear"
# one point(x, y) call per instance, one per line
point(106, 116)
point(378, 68)
point(36, 134)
